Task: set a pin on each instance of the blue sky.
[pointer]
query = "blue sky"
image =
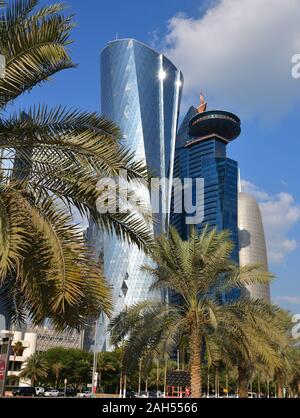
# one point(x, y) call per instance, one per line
point(239, 53)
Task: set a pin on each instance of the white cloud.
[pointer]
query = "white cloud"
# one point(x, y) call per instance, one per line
point(239, 53)
point(252, 189)
point(293, 300)
point(279, 213)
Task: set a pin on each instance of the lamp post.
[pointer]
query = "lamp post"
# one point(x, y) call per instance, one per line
point(65, 382)
point(94, 375)
point(207, 385)
point(227, 386)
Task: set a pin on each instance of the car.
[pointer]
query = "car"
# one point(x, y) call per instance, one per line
point(85, 394)
point(130, 394)
point(152, 394)
point(252, 395)
point(24, 391)
point(68, 392)
point(52, 393)
point(143, 394)
point(39, 391)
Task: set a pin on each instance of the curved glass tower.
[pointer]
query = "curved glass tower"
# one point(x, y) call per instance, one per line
point(140, 92)
point(252, 241)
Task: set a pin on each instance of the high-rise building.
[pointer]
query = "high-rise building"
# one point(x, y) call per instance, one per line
point(140, 92)
point(201, 153)
point(252, 241)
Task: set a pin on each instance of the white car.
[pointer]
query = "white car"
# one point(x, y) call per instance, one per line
point(51, 393)
point(39, 391)
point(86, 394)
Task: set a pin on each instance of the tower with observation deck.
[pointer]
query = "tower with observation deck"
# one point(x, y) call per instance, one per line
point(201, 153)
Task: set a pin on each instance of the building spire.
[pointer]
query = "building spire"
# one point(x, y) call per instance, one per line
point(202, 106)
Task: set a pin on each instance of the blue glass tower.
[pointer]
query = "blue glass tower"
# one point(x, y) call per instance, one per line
point(140, 92)
point(201, 153)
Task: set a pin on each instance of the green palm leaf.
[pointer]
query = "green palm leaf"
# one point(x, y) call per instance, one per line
point(243, 332)
point(51, 162)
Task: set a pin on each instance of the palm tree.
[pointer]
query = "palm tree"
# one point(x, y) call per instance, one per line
point(251, 350)
point(35, 368)
point(51, 162)
point(294, 378)
point(17, 348)
point(201, 273)
point(57, 368)
point(104, 365)
point(287, 355)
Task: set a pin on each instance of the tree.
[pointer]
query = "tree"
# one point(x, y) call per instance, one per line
point(202, 274)
point(51, 162)
point(12, 380)
point(104, 364)
point(294, 378)
point(68, 363)
point(57, 368)
point(35, 368)
point(17, 348)
point(251, 349)
point(286, 353)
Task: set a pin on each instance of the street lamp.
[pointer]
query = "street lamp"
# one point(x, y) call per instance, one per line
point(65, 391)
point(95, 374)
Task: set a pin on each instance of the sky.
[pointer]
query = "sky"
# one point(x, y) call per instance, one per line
point(239, 53)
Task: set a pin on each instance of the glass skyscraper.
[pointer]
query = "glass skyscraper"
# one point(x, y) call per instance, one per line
point(201, 153)
point(140, 92)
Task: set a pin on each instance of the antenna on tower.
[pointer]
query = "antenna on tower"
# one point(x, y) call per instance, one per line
point(117, 35)
point(202, 106)
point(239, 181)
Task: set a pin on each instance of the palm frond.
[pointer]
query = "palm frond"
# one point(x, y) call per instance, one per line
point(34, 44)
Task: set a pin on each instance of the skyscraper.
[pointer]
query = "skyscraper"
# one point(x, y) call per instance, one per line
point(201, 153)
point(252, 241)
point(140, 92)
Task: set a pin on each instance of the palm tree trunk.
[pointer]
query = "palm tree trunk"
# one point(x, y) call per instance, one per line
point(207, 394)
point(124, 386)
point(100, 378)
point(140, 376)
point(280, 389)
point(165, 376)
point(217, 385)
point(121, 384)
point(146, 384)
point(243, 382)
point(195, 349)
